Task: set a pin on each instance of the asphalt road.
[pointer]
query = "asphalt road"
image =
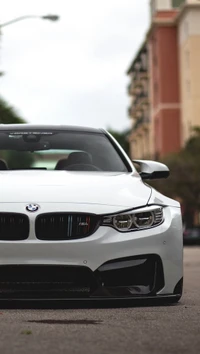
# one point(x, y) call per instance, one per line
point(155, 329)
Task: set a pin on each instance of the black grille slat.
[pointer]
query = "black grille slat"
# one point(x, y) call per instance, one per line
point(65, 226)
point(13, 227)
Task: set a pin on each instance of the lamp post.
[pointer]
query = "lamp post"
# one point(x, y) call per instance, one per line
point(53, 18)
point(46, 17)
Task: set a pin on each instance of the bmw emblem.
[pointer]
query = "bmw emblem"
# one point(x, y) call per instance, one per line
point(32, 207)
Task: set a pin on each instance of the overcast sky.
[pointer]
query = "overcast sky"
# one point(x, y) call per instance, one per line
point(71, 71)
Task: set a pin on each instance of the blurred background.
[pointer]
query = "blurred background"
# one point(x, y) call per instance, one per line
point(131, 67)
point(72, 71)
point(164, 90)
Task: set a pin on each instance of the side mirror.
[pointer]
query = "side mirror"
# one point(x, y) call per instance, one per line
point(152, 169)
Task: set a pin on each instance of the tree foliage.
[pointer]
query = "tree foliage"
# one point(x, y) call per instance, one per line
point(184, 181)
point(14, 159)
point(8, 115)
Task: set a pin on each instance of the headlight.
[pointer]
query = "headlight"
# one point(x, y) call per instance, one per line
point(122, 222)
point(136, 220)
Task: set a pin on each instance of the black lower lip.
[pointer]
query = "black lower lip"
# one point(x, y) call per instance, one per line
point(130, 277)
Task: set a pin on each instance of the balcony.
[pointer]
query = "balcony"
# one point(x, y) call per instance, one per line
point(139, 77)
point(132, 90)
point(139, 105)
point(129, 111)
point(135, 88)
point(140, 62)
point(142, 97)
point(142, 122)
point(134, 112)
point(129, 89)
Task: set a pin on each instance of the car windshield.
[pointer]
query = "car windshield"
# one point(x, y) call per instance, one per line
point(59, 150)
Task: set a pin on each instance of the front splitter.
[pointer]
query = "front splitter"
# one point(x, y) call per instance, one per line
point(90, 302)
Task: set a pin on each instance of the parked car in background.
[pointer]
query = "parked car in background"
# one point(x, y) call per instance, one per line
point(191, 236)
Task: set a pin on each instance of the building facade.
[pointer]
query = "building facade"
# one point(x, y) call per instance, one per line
point(163, 123)
point(139, 107)
point(188, 23)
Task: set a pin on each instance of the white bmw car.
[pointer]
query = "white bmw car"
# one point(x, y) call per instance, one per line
point(77, 221)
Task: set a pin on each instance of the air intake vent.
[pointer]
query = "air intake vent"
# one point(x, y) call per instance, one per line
point(64, 226)
point(46, 281)
point(13, 227)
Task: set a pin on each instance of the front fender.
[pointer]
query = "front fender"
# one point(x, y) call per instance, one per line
point(160, 199)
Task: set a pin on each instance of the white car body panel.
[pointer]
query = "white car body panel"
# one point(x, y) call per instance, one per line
point(103, 245)
point(158, 198)
point(115, 190)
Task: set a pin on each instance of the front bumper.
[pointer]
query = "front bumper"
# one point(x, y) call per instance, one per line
point(158, 250)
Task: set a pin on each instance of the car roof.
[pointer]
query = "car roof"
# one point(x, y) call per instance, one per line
point(26, 126)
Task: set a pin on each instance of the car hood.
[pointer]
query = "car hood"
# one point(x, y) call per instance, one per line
point(117, 190)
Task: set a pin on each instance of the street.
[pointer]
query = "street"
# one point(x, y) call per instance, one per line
point(139, 329)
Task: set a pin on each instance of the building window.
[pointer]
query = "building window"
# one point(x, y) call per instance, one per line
point(186, 28)
point(188, 87)
point(155, 60)
point(190, 128)
point(177, 3)
point(155, 87)
point(153, 8)
point(144, 61)
point(145, 86)
point(187, 59)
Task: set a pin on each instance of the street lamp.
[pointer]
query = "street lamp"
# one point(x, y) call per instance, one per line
point(46, 17)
